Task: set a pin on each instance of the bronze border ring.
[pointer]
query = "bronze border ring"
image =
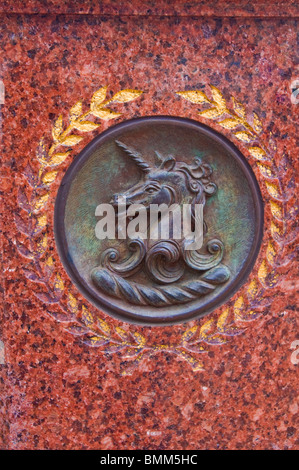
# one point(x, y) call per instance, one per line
point(152, 161)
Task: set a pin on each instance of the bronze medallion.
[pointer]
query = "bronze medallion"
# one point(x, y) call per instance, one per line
point(153, 161)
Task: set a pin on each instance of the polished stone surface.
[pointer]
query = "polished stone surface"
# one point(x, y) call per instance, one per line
point(160, 392)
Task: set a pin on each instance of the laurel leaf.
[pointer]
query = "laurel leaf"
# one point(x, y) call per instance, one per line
point(23, 250)
point(41, 246)
point(251, 315)
point(46, 298)
point(205, 328)
point(41, 223)
point(131, 352)
point(57, 128)
point(31, 275)
point(273, 190)
point(276, 210)
point(124, 96)
point(239, 108)
point(258, 153)
point(85, 126)
point(95, 341)
point(197, 348)
point(216, 339)
point(252, 289)
point(195, 96)
point(232, 331)
point(104, 326)
point(197, 366)
point(105, 113)
point(41, 202)
point(98, 97)
point(58, 284)
point(72, 303)
point(211, 113)
point(266, 170)
point(22, 225)
point(263, 272)
point(257, 125)
point(276, 232)
point(272, 279)
point(77, 330)
point(139, 338)
point(49, 177)
point(194, 363)
point(48, 267)
point(30, 176)
point(271, 253)
point(222, 320)
point(41, 153)
point(61, 317)
point(49, 264)
point(244, 136)
point(229, 123)
point(23, 201)
point(272, 142)
point(114, 348)
point(238, 308)
point(86, 316)
point(76, 110)
point(71, 140)
point(218, 97)
point(189, 334)
point(122, 334)
point(58, 158)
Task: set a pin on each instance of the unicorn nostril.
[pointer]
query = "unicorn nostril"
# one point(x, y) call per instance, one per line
point(118, 199)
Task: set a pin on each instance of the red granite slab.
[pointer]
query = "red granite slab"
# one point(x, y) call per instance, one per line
point(216, 8)
point(58, 392)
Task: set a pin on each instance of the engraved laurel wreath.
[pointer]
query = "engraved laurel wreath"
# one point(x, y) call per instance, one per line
point(76, 316)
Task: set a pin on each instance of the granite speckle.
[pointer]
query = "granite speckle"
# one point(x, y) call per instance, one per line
point(57, 393)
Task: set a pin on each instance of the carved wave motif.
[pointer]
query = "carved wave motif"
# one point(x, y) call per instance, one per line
point(163, 262)
point(129, 265)
point(200, 261)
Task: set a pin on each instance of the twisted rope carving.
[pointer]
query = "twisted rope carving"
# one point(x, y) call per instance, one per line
point(161, 296)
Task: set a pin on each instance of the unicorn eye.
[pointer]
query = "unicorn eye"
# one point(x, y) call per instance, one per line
point(151, 190)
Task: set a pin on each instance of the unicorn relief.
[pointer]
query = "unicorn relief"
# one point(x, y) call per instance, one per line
point(165, 261)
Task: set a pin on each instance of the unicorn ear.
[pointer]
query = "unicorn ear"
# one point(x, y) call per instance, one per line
point(168, 164)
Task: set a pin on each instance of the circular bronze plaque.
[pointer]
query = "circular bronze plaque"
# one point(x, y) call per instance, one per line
point(152, 161)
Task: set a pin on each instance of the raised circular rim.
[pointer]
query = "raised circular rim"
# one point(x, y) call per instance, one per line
point(107, 306)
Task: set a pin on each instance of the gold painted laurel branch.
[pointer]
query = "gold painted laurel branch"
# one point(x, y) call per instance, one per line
point(248, 130)
point(33, 241)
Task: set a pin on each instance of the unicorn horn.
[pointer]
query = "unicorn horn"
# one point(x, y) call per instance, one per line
point(136, 157)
